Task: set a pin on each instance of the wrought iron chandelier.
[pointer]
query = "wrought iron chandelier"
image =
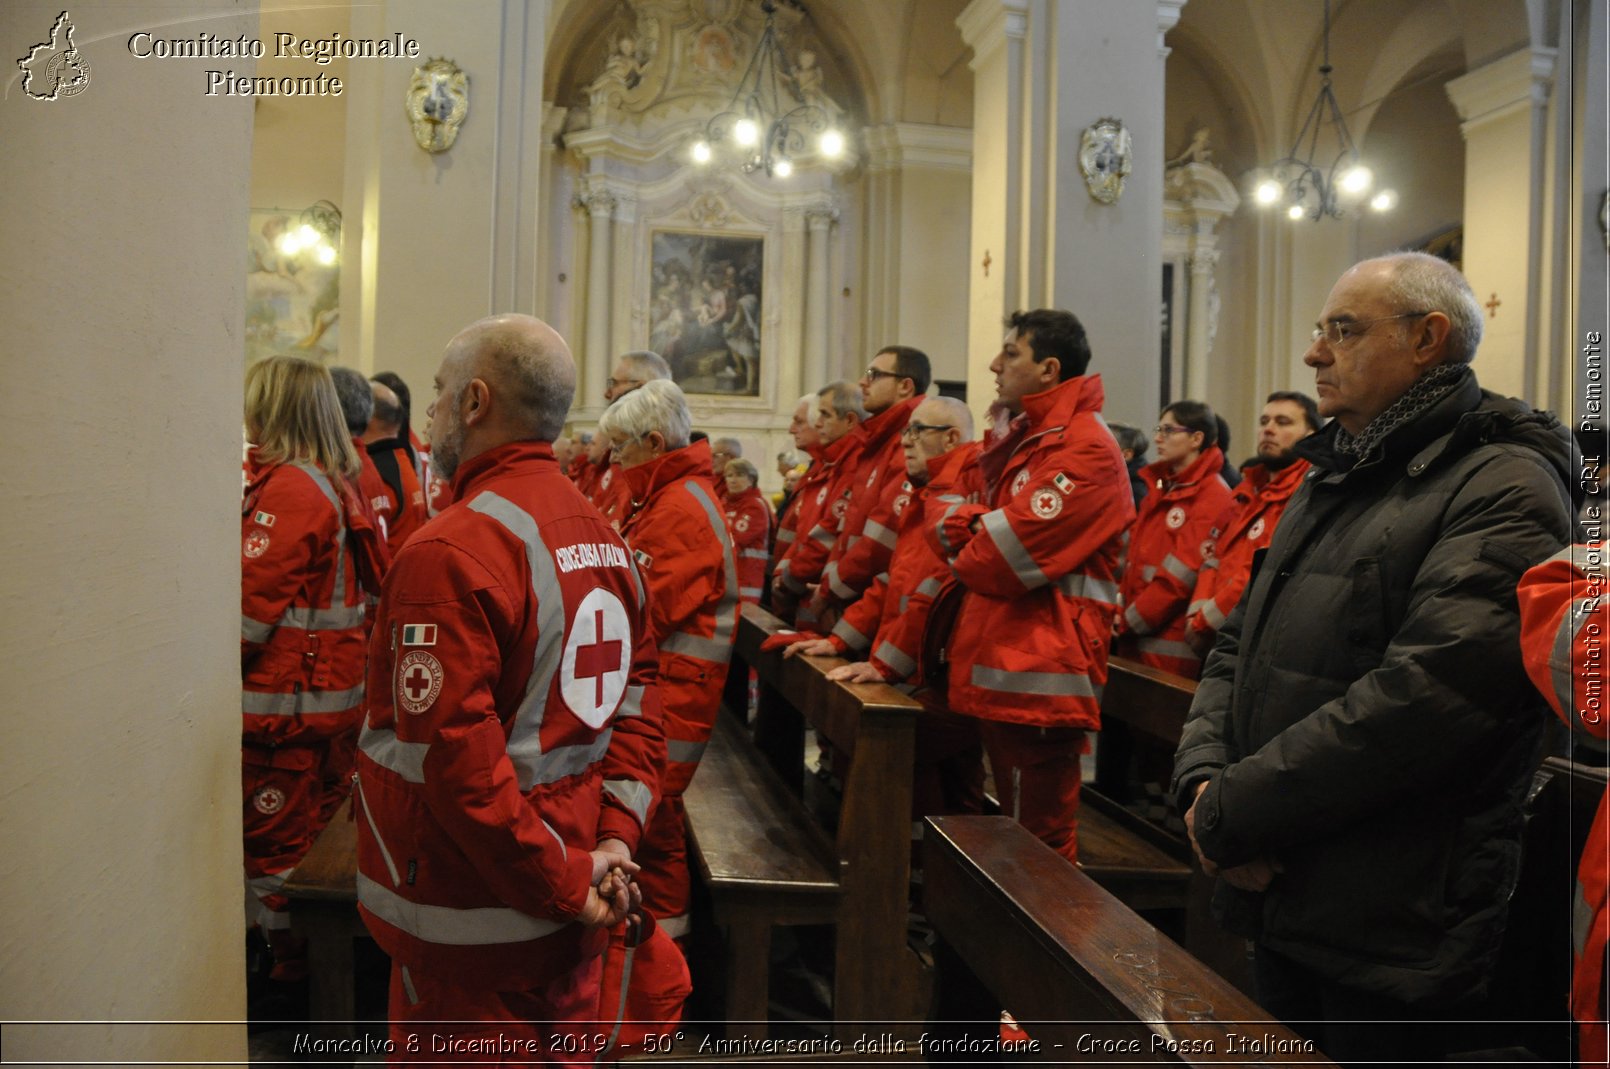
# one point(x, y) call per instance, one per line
point(1302, 183)
point(773, 114)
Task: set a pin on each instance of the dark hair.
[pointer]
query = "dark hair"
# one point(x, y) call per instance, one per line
point(698, 436)
point(1131, 438)
point(1307, 404)
point(357, 400)
point(1056, 333)
point(1196, 416)
point(388, 410)
point(910, 364)
point(1224, 433)
point(393, 382)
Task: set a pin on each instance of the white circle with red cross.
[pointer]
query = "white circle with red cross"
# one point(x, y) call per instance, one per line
point(1046, 503)
point(900, 503)
point(1175, 518)
point(256, 544)
point(742, 524)
point(592, 673)
point(1256, 529)
point(1020, 482)
point(419, 681)
point(268, 801)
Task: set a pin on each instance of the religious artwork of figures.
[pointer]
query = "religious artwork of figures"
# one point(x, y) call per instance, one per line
point(623, 68)
point(438, 101)
point(704, 317)
point(293, 297)
point(1104, 158)
point(1196, 152)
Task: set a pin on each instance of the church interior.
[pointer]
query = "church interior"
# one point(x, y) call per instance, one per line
point(1103, 157)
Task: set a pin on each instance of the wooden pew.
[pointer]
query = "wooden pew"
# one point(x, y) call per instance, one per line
point(324, 909)
point(876, 975)
point(1076, 966)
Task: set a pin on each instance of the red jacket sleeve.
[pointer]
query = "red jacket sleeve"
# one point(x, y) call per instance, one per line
point(1565, 618)
point(855, 566)
point(1168, 594)
point(284, 534)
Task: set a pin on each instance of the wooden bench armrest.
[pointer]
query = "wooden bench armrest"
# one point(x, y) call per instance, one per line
point(329, 872)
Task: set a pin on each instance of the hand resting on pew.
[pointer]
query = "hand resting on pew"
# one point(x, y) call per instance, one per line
point(1255, 875)
point(857, 672)
point(816, 647)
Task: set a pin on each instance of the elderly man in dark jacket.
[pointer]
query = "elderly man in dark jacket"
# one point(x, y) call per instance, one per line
point(1355, 760)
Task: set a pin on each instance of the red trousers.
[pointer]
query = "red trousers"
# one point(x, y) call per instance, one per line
point(665, 879)
point(1037, 777)
point(288, 795)
point(552, 1025)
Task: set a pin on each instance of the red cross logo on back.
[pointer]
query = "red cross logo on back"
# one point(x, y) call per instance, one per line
point(599, 659)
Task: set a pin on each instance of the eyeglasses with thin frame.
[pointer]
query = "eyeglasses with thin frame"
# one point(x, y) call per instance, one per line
point(913, 431)
point(1170, 428)
point(873, 374)
point(1342, 331)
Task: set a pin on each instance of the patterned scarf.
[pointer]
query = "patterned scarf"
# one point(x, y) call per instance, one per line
point(1430, 388)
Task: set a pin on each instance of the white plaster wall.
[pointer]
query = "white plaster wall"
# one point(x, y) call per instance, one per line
point(1497, 181)
point(934, 231)
point(121, 266)
point(299, 143)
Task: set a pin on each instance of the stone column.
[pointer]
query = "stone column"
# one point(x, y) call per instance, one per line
point(1200, 325)
point(600, 205)
point(818, 296)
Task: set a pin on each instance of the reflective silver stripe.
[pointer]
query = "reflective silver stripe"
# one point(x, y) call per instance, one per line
point(260, 703)
point(782, 569)
point(338, 596)
point(755, 554)
point(633, 795)
point(1011, 547)
point(263, 886)
point(1076, 585)
point(564, 851)
point(675, 927)
point(1148, 572)
point(726, 609)
point(1137, 623)
point(384, 748)
point(631, 703)
point(1061, 684)
point(749, 592)
point(879, 534)
point(1166, 647)
point(1176, 567)
point(929, 587)
point(939, 529)
point(705, 649)
point(785, 535)
point(1560, 659)
point(680, 752)
point(823, 537)
point(830, 576)
point(560, 762)
point(1582, 914)
point(1211, 562)
point(323, 619)
point(1213, 614)
point(850, 636)
point(525, 747)
point(254, 630)
point(895, 658)
point(408, 987)
point(380, 841)
point(476, 926)
point(955, 499)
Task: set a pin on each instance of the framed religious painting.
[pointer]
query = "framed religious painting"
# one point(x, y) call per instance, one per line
point(293, 296)
point(704, 310)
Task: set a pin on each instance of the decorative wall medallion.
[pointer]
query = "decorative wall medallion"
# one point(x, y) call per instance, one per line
point(438, 101)
point(1104, 158)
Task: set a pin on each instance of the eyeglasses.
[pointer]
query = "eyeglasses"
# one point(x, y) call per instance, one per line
point(1342, 331)
point(615, 384)
point(1170, 428)
point(914, 431)
point(873, 374)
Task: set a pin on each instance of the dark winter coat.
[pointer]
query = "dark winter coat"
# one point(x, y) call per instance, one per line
point(1364, 720)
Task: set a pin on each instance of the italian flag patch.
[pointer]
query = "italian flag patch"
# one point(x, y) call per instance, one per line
point(1064, 483)
point(263, 519)
point(419, 634)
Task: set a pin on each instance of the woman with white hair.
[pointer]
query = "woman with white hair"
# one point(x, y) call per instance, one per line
point(683, 550)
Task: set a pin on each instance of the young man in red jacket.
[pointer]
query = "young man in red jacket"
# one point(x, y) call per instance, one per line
point(1035, 566)
point(1288, 417)
point(512, 747)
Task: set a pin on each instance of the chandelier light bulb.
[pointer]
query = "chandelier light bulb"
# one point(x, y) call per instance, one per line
point(307, 236)
point(288, 244)
point(325, 255)
point(1355, 179)
point(783, 167)
point(832, 144)
point(1268, 191)
point(701, 152)
point(745, 132)
point(1385, 200)
point(1294, 212)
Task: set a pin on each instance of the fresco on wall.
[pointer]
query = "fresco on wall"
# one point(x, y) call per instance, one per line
point(704, 315)
point(292, 288)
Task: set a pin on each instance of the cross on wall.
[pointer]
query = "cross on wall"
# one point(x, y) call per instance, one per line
point(1492, 306)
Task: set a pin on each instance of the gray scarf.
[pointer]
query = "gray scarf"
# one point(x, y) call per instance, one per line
point(1430, 388)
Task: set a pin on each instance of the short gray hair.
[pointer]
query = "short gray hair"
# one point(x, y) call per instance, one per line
point(960, 416)
point(740, 466)
point(357, 400)
point(845, 397)
point(1421, 282)
point(646, 364)
point(657, 405)
point(731, 445)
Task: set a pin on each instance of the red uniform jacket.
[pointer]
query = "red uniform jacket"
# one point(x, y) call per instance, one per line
point(303, 563)
point(749, 520)
point(1167, 545)
point(513, 722)
point(820, 508)
point(1036, 562)
point(788, 518)
point(890, 617)
point(1565, 625)
point(610, 495)
point(680, 541)
point(401, 503)
point(866, 537)
point(1255, 508)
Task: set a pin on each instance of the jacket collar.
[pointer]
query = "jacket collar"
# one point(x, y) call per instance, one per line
point(832, 454)
point(479, 469)
point(945, 470)
point(1159, 476)
point(645, 480)
point(885, 427)
point(1403, 442)
point(1055, 407)
point(1259, 480)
